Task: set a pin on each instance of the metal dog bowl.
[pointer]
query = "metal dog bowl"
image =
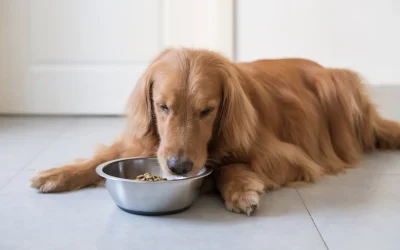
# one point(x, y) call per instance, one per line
point(149, 198)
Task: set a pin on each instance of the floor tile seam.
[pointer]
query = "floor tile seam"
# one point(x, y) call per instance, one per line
point(312, 219)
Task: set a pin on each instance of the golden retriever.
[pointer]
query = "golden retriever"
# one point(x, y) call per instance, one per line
point(261, 125)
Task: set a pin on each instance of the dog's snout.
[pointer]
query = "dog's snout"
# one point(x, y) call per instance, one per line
point(178, 166)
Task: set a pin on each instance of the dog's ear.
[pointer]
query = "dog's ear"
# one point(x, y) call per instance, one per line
point(238, 117)
point(141, 119)
point(139, 107)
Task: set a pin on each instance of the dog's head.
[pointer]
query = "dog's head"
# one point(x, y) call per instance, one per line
point(188, 99)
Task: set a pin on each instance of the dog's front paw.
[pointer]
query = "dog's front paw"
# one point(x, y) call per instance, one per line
point(243, 202)
point(52, 180)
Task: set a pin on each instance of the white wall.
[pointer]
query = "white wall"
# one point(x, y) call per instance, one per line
point(361, 34)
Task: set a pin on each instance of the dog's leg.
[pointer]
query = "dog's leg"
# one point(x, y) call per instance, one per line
point(76, 175)
point(282, 163)
point(240, 188)
point(82, 173)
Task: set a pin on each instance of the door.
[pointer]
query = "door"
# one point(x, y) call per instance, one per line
point(84, 56)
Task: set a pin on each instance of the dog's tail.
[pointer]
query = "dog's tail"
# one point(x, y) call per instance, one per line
point(387, 133)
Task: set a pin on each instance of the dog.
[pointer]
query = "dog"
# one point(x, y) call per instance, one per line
point(261, 125)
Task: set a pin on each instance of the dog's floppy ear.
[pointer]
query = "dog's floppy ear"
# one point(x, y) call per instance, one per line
point(139, 109)
point(238, 117)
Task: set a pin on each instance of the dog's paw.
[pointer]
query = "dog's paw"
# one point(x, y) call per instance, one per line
point(243, 202)
point(52, 180)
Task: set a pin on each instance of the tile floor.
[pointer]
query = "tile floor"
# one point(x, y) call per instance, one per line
point(359, 210)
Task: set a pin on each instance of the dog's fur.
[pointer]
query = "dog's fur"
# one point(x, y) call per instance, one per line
point(269, 123)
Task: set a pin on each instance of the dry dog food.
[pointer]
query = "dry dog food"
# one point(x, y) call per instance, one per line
point(149, 177)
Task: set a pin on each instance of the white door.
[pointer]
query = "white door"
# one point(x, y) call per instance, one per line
point(84, 56)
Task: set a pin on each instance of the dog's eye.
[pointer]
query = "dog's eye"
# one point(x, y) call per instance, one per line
point(205, 112)
point(164, 108)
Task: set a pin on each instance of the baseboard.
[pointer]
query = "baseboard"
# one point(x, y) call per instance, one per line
point(387, 98)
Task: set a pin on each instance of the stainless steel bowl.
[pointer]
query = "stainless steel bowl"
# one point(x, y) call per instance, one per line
point(149, 198)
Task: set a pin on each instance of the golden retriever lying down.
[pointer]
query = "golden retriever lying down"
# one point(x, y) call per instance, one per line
point(261, 124)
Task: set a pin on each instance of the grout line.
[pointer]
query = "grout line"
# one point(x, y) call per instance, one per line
point(320, 235)
point(19, 171)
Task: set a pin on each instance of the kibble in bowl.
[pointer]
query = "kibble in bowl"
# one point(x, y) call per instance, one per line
point(149, 177)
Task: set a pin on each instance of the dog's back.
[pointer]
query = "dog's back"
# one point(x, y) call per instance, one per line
point(324, 111)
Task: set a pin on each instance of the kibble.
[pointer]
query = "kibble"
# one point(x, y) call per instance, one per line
point(149, 177)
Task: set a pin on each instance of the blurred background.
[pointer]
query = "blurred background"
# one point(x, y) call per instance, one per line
point(83, 57)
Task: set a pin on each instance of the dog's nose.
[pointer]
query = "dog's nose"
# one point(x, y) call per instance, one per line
point(178, 166)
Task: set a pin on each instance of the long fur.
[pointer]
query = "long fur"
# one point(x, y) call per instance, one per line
point(278, 122)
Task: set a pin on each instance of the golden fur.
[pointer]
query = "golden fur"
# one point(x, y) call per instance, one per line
point(270, 123)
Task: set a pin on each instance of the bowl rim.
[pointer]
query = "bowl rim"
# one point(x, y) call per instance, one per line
point(99, 171)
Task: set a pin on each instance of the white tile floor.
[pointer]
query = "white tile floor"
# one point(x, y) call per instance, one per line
point(359, 210)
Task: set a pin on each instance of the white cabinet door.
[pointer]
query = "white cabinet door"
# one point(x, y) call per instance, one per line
point(84, 56)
